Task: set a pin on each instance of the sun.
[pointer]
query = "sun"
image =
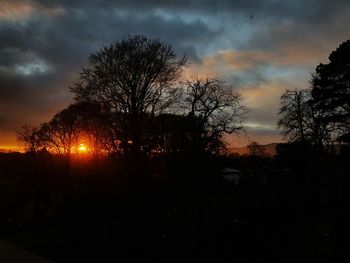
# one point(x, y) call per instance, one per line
point(82, 148)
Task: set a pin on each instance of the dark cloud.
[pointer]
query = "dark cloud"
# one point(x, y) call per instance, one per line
point(306, 10)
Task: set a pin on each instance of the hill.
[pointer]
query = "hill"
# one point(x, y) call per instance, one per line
point(270, 149)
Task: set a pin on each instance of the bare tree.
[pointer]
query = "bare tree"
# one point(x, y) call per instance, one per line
point(62, 132)
point(95, 126)
point(295, 115)
point(132, 77)
point(301, 122)
point(216, 108)
point(30, 138)
point(256, 149)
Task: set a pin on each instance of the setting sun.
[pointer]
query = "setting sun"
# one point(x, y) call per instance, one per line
point(82, 148)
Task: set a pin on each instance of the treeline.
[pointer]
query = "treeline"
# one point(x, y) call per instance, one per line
point(132, 100)
point(129, 100)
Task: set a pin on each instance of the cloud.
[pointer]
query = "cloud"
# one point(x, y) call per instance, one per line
point(14, 10)
point(21, 11)
point(286, 55)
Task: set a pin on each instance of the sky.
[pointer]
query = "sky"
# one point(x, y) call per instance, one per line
point(259, 47)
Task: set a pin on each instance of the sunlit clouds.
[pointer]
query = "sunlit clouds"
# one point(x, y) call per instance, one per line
point(20, 11)
point(15, 10)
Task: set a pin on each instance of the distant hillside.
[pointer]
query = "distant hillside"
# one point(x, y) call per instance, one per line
point(270, 149)
point(9, 149)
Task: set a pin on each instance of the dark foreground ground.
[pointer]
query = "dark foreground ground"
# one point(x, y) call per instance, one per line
point(86, 211)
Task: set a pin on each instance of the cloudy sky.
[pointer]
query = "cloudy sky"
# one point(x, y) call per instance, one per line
point(259, 47)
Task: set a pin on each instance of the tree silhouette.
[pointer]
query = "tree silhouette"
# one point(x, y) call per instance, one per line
point(169, 134)
point(133, 77)
point(214, 109)
point(331, 90)
point(125, 103)
point(301, 123)
point(96, 127)
point(29, 137)
point(295, 115)
point(255, 149)
point(62, 132)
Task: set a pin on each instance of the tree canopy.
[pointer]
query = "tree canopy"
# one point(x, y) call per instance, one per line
point(331, 89)
point(295, 115)
point(132, 78)
point(132, 99)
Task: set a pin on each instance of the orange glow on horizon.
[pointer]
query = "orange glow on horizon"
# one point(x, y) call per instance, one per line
point(82, 148)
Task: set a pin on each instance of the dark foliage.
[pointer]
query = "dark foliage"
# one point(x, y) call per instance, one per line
point(131, 78)
point(331, 90)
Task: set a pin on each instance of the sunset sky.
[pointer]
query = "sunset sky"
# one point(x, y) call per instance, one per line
point(259, 47)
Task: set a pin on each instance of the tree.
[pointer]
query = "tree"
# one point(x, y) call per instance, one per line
point(331, 90)
point(128, 89)
point(256, 149)
point(214, 109)
point(169, 134)
point(133, 78)
point(29, 137)
point(95, 128)
point(295, 115)
point(80, 122)
point(301, 123)
point(62, 132)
